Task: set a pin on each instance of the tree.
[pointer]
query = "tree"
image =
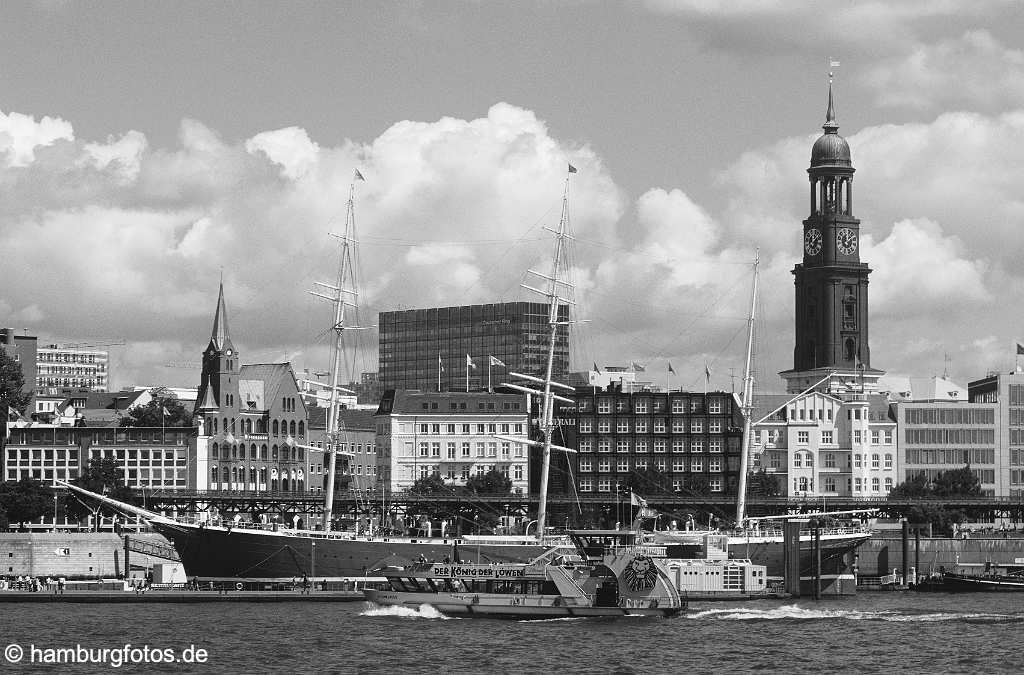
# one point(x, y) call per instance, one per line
point(648, 482)
point(25, 500)
point(492, 482)
point(163, 410)
point(430, 485)
point(12, 380)
point(951, 484)
point(761, 484)
point(105, 477)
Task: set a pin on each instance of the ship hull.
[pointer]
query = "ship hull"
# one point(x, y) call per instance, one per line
point(219, 552)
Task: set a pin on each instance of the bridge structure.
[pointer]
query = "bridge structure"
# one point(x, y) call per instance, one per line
point(286, 505)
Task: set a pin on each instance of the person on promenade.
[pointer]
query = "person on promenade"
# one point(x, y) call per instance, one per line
point(305, 585)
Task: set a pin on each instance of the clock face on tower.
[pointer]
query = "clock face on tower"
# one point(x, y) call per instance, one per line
point(846, 241)
point(812, 241)
point(228, 352)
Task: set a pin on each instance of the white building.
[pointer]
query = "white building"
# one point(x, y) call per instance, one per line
point(821, 445)
point(452, 434)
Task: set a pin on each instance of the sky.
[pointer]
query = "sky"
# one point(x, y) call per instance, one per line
point(150, 149)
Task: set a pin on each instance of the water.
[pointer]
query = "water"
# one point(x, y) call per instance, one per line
point(873, 633)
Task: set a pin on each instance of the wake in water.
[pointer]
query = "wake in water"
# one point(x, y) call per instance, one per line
point(423, 612)
point(797, 613)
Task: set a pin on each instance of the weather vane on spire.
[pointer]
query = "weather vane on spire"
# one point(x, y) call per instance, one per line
point(832, 63)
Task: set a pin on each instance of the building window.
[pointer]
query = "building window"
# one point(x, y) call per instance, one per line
point(586, 485)
point(857, 436)
point(875, 485)
point(604, 406)
point(830, 460)
point(875, 436)
point(715, 464)
point(585, 465)
point(641, 445)
point(659, 445)
point(622, 466)
point(659, 425)
point(678, 406)
point(604, 485)
point(640, 464)
point(888, 436)
point(435, 449)
point(830, 484)
point(640, 426)
point(715, 445)
point(826, 437)
point(604, 466)
point(604, 445)
point(803, 437)
point(679, 465)
point(696, 465)
point(696, 426)
point(888, 460)
point(874, 461)
point(450, 450)
point(604, 426)
point(424, 449)
point(640, 407)
point(480, 448)
point(678, 445)
point(586, 425)
point(622, 426)
point(660, 464)
point(622, 446)
point(585, 445)
point(715, 426)
point(716, 484)
point(465, 449)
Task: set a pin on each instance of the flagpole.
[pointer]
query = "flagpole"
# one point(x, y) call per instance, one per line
point(488, 374)
point(467, 374)
point(439, 372)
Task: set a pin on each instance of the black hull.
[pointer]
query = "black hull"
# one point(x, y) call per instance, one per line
point(837, 562)
point(215, 552)
point(969, 583)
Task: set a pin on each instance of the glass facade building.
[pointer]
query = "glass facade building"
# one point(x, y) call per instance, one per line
point(421, 347)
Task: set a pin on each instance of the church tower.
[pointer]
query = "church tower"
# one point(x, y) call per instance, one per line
point(218, 389)
point(831, 283)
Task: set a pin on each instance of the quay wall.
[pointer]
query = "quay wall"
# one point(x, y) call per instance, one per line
point(78, 554)
point(882, 554)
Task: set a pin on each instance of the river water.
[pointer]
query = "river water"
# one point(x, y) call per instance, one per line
point(872, 633)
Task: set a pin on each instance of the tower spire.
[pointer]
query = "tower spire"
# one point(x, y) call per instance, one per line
point(830, 126)
point(219, 336)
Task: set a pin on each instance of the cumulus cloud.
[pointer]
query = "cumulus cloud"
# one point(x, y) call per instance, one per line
point(21, 134)
point(291, 148)
point(974, 70)
point(919, 270)
point(121, 156)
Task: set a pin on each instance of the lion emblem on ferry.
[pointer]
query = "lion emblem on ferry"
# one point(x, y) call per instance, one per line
point(640, 574)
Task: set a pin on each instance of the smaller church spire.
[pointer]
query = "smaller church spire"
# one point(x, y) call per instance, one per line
point(207, 403)
point(830, 126)
point(219, 336)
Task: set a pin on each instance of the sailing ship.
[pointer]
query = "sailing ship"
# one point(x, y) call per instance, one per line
point(212, 548)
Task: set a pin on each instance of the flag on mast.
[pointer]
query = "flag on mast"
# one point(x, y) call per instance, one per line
point(596, 369)
point(1020, 349)
point(637, 367)
point(359, 176)
point(469, 362)
point(707, 371)
point(572, 169)
point(492, 361)
point(440, 366)
point(671, 369)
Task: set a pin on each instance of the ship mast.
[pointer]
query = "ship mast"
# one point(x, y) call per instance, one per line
point(343, 295)
point(747, 409)
point(557, 292)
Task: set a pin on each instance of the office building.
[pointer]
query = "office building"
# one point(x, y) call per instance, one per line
point(427, 349)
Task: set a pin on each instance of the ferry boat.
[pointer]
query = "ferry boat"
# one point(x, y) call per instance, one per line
point(609, 577)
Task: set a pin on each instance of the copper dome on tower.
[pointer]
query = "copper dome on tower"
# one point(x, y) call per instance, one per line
point(830, 149)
